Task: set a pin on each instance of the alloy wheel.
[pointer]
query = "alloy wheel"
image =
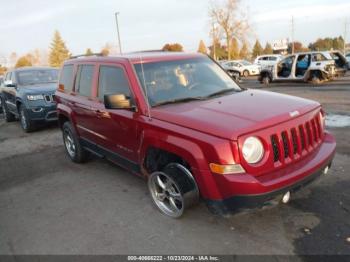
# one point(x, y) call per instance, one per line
point(166, 194)
point(23, 120)
point(69, 143)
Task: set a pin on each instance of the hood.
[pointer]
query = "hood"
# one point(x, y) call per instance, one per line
point(47, 88)
point(236, 114)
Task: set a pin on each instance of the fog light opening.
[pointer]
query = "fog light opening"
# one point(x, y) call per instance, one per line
point(325, 171)
point(286, 198)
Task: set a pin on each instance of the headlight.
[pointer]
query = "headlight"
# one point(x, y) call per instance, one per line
point(35, 97)
point(253, 150)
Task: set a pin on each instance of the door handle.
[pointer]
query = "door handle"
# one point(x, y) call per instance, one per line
point(101, 113)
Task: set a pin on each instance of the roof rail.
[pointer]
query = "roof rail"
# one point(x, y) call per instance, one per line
point(148, 51)
point(86, 55)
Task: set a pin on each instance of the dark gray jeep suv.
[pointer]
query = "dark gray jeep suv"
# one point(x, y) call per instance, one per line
point(28, 94)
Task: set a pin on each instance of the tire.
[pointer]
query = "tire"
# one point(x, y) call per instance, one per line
point(1, 105)
point(173, 190)
point(316, 78)
point(245, 73)
point(265, 80)
point(72, 144)
point(9, 117)
point(26, 124)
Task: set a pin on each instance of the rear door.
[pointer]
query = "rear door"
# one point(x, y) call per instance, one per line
point(82, 101)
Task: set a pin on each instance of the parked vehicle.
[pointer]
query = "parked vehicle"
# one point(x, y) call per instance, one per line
point(307, 66)
point(180, 121)
point(244, 67)
point(28, 94)
point(1, 82)
point(341, 63)
point(267, 60)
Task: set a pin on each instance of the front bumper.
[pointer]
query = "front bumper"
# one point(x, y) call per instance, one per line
point(47, 113)
point(247, 191)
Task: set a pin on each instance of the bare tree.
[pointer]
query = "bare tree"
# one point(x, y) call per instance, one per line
point(231, 19)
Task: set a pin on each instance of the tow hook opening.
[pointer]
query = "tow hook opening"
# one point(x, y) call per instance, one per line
point(286, 198)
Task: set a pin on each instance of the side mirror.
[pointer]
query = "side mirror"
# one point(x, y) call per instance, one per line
point(9, 83)
point(118, 101)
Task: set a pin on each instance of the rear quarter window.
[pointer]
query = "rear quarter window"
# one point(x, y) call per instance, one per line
point(66, 79)
point(83, 84)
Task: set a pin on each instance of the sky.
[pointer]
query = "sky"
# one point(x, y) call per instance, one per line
point(149, 24)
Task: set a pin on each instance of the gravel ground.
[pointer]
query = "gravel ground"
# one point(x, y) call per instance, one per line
point(49, 205)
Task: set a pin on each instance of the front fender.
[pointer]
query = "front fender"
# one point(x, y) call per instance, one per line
point(189, 151)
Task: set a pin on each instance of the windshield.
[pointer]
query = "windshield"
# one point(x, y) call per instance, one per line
point(183, 80)
point(32, 77)
point(246, 63)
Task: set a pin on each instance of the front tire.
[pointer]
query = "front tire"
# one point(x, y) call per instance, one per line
point(72, 144)
point(173, 190)
point(26, 124)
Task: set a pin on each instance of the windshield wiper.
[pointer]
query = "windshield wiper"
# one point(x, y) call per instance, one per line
point(221, 92)
point(175, 101)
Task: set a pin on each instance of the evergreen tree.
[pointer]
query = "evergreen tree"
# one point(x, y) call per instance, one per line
point(234, 49)
point(202, 48)
point(58, 51)
point(257, 49)
point(268, 49)
point(244, 53)
point(89, 52)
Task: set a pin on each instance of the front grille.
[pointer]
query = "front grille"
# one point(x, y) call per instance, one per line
point(293, 142)
point(276, 151)
point(49, 98)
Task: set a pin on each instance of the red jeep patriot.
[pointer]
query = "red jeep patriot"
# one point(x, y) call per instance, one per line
point(180, 121)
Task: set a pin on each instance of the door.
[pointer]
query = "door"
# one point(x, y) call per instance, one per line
point(117, 128)
point(81, 102)
point(285, 67)
point(9, 92)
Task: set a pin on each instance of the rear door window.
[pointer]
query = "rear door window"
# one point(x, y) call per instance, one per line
point(66, 79)
point(112, 80)
point(83, 84)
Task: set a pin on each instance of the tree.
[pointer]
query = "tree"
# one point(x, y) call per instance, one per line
point(202, 48)
point(268, 49)
point(173, 47)
point(323, 44)
point(244, 53)
point(298, 47)
point(89, 52)
point(232, 21)
point(3, 70)
point(234, 49)
point(58, 51)
point(257, 49)
point(220, 51)
point(106, 50)
point(23, 61)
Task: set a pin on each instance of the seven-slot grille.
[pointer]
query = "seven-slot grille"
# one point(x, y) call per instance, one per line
point(291, 143)
point(49, 98)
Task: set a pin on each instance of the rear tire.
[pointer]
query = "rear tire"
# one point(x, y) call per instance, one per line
point(173, 190)
point(72, 144)
point(265, 80)
point(9, 117)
